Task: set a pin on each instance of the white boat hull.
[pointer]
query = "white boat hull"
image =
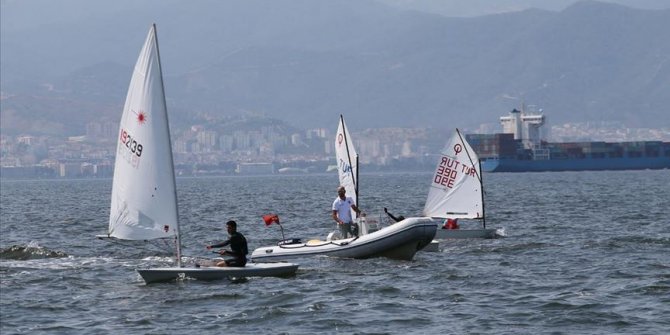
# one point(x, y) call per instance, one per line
point(443, 234)
point(280, 269)
point(399, 241)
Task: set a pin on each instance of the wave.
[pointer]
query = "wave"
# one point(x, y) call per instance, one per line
point(29, 251)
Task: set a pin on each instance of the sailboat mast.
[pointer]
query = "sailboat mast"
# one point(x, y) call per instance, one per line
point(358, 198)
point(470, 157)
point(481, 181)
point(346, 145)
point(479, 176)
point(171, 168)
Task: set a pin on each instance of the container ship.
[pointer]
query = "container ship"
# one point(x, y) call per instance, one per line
point(520, 149)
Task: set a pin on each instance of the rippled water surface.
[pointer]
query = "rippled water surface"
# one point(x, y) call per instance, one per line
point(585, 252)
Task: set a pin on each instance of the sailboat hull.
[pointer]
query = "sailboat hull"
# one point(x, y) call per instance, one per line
point(214, 273)
point(399, 241)
point(443, 234)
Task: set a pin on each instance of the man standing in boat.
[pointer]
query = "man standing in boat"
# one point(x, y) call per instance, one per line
point(342, 207)
point(238, 247)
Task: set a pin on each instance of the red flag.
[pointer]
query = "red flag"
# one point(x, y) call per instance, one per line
point(270, 219)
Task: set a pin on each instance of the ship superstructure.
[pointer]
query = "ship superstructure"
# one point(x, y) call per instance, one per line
point(520, 148)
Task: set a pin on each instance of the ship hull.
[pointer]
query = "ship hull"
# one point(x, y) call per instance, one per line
point(520, 148)
point(586, 164)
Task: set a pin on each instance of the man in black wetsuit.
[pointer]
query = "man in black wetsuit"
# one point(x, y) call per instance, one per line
point(238, 247)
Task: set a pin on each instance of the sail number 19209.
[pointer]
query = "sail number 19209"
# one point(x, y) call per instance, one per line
point(130, 143)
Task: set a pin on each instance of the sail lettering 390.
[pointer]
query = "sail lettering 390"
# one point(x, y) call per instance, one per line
point(445, 176)
point(446, 172)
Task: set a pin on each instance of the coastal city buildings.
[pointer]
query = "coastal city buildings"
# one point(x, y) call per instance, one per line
point(267, 149)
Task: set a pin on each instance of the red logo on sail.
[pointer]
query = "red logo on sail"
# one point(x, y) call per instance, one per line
point(458, 148)
point(141, 117)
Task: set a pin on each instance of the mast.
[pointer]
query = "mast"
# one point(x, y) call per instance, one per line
point(479, 176)
point(470, 157)
point(481, 181)
point(358, 204)
point(171, 167)
point(346, 145)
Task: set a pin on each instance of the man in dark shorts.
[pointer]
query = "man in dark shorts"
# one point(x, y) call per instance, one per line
point(238, 247)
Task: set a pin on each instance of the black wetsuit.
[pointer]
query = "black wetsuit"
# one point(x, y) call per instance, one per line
point(238, 249)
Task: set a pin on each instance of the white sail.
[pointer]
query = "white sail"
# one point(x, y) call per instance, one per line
point(144, 200)
point(456, 188)
point(347, 161)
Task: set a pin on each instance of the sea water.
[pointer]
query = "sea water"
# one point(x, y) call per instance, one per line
point(585, 253)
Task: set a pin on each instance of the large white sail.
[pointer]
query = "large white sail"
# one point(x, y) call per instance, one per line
point(456, 188)
point(347, 161)
point(144, 200)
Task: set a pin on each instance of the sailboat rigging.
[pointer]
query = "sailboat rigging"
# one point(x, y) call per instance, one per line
point(347, 162)
point(144, 192)
point(456, 190)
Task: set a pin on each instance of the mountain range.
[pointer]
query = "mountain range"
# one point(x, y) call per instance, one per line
point(306, 62)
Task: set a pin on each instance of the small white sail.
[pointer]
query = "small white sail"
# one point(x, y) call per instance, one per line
point(347, 161)
point(456, 188)
point(144, 200)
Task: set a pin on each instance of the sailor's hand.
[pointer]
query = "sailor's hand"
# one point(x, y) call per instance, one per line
point(208, 247)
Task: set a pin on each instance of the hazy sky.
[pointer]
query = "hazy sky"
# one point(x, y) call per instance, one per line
point(210, 45)
point(484, 7)
point(45, 11)
point(22, 14)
